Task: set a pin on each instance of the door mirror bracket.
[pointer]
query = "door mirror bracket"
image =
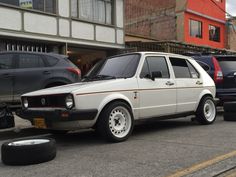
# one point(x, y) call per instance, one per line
point(156, 74)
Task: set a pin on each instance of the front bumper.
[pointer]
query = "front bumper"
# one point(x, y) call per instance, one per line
point(57, 115)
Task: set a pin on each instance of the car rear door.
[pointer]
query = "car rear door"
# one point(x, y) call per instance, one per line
point(189, 84)
point(157, 97)
point(30, 73)
point(7, 73)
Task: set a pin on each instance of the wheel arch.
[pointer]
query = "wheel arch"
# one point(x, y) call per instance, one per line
point(204, 94)
point(113, 98)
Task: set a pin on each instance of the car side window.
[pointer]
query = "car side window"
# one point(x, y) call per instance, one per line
point(180, 67)
point(52, 61)
point(30, 61)
point(145, 70)
point(205, 66)
point(194, 73)
point(155, 63)
point(6, 61)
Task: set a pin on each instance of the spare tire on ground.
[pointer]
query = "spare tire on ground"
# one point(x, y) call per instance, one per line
point(28, 151)
point(230, 106)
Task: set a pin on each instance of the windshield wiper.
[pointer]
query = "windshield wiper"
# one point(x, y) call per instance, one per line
point(98, 77)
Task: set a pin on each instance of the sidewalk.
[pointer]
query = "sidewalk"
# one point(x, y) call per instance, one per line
point(19, 124)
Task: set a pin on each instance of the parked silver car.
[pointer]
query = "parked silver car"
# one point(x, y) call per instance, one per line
point(122, 89)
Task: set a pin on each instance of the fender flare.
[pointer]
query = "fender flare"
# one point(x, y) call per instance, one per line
point(203, 93)
point(110, 98)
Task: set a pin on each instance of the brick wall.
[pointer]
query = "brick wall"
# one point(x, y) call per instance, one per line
point(231, 34)
point(154, 19)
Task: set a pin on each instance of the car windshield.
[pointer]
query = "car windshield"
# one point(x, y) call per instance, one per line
point(123, 66)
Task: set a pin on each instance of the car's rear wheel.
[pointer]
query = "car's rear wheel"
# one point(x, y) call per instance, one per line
point(206, 112)
point(115, 122)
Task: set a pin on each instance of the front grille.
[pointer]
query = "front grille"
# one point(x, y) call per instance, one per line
point(47, 101)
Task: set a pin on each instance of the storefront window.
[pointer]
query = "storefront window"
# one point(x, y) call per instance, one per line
point(93, 10)
point(195, 28)
point(41, 5)
point(214, 33)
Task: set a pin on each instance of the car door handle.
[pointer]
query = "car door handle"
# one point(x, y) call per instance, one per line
point(199, 83)
point(170, 83)
point(46, 72)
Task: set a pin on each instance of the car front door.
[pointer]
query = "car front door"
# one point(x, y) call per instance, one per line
point(30, 74)
point(6, 77)
point(189, 84)
point(157, 96)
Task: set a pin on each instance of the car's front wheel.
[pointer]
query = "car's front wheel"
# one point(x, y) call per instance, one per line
point(115, 122)
point(206, 112)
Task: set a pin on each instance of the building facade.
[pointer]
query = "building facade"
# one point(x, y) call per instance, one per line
point(86, 30)
point(231, 33)
point(200, 22)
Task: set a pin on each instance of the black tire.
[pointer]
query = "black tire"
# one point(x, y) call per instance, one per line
point(203, 114)
point(108, 115)
point(229, 116)
point(58, 132)
point(230, 106)
point(26, 154)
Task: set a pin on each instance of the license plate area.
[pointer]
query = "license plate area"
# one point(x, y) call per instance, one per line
point(40, 123)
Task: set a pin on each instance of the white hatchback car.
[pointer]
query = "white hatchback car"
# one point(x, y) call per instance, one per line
point(122, 89)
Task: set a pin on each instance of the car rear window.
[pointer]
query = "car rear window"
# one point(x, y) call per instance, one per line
point(205, 66)
point(227, 64)
point(52, 61)
point(70, 63)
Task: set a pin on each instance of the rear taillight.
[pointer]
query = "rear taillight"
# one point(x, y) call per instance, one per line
point(74, 70)
point(218, 74)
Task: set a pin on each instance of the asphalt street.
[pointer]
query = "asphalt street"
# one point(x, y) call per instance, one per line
point(156, 148)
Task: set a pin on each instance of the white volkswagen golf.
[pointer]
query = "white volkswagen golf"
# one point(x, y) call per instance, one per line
point(122, 89)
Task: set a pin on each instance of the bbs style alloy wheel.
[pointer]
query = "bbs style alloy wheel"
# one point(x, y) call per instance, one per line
point(115, 122)
point(206, 112)
point(28, 151)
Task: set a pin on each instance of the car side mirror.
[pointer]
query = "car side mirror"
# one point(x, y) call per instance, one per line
point(156, 74)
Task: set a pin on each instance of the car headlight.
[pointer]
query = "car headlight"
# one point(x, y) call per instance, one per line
point(69, 102)
point(25, 103)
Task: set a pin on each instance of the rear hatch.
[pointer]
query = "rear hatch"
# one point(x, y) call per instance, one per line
point(228, 67)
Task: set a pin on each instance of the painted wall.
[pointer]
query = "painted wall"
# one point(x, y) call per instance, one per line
point(205, 32)
point(23, 23)
point(209, 14)
point(207, 7)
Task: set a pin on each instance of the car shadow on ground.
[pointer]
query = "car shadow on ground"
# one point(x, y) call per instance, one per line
point(144, 127)
point(91, 137)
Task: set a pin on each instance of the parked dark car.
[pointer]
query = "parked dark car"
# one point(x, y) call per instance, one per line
point(22, 72)
point(222, 68)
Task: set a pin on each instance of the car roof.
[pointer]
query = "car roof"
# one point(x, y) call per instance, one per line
point(38, 53)
point(152, 53)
